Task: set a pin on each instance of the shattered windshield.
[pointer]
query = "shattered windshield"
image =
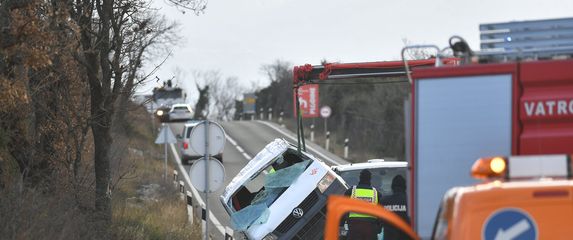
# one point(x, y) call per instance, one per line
point(252, 201)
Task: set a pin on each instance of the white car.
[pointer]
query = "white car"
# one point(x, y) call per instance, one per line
point(186, 151)
point(281, 194)
point(383, 174)
point(180, 112)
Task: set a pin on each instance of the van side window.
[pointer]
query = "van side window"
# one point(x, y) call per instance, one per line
point(188, 135)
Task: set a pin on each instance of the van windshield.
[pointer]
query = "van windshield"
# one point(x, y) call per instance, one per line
point(254, 197)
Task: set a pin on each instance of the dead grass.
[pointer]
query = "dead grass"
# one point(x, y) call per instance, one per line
point(163, 215)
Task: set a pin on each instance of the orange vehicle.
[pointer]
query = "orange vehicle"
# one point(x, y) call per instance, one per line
point(521, 197)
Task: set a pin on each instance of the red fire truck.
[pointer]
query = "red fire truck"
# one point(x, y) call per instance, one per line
point(514, 97)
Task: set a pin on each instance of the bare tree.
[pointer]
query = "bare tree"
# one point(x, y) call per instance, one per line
point(224, 92)
point(278, 95)
point(196, 6)
point(416, 53)
point(115, 36)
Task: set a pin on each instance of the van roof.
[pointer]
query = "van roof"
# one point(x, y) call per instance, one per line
point(262, 159)
point(370, 164)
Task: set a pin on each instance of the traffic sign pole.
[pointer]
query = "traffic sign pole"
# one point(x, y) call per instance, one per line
point(165, 153)
point(206, 234)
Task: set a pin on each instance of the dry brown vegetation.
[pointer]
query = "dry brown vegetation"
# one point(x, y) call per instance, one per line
point(145, 205)
point(67, 72)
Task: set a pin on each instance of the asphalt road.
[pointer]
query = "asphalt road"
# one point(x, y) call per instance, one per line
point(244, 140)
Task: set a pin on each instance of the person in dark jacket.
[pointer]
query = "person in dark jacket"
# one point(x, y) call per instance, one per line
point(362, 226)
point(397, 203)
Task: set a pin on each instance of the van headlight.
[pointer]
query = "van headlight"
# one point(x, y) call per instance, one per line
point(325, 182)
point(270, 236)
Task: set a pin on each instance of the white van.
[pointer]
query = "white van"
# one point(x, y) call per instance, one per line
point(281, 194)
point(185, 150)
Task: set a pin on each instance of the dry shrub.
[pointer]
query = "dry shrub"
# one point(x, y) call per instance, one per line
point(138, 163)
point(34, 214)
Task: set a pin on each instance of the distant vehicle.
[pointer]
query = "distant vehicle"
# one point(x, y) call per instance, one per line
point(281, 194)
point(186, 151)
point(180, 111)
point(164, 97)
point(162, 113)
point(521, 197)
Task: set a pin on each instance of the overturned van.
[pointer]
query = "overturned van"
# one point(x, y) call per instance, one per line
point(281, 194)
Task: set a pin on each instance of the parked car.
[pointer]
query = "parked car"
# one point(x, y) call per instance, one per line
point(180, 112)
point(186, 151)
point(281, 194)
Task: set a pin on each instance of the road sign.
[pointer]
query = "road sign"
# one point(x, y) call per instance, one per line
point(308, 100)
point(325, 111)
point(216, 175)
point(165, 136)
point(216, 139)
point(510, 223)
point(249, 103)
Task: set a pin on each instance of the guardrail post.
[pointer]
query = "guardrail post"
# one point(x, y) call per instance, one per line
point(204, 221)
point(182, 190)
point(190, 207)
point(270, 114)
point(262, 114)
point(346, 148)
point(228, 233)
point(312, 132)
point(327, 144)
point(175, 178)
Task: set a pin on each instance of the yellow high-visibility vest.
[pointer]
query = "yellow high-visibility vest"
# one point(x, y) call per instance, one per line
point(368, 195)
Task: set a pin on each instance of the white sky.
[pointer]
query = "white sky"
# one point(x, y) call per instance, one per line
point(236, 37)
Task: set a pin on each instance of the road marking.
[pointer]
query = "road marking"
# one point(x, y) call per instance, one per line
point(513, 231)
point(309, 147)
point(231, 140)
point(196, 194)
point(239, 148)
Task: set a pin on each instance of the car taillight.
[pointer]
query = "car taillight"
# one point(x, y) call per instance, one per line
point(185, 145)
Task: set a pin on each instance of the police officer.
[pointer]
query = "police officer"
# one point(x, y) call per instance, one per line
point(397, 203)
point(362, 226)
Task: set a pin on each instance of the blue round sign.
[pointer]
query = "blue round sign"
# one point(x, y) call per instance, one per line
point(510, 223)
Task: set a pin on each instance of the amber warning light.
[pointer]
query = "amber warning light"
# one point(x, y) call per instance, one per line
point(523, 167)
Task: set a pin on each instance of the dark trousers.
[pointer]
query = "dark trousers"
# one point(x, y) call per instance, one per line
point(362, 229)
